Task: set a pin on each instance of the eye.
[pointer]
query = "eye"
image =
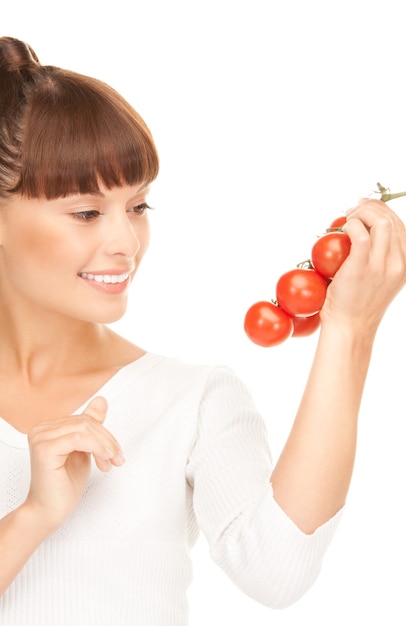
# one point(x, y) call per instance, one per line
point(140, 209)
point(86, 216)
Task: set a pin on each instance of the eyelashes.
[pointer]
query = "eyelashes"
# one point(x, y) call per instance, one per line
point(92, 214)
point(86, 216)
point(140, 208)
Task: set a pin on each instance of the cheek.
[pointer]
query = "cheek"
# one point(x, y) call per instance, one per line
point(32, 249)
point(144, 237)
point(22, 245)
point(36, 243)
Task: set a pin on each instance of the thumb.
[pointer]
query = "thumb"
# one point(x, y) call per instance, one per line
point(97, 408)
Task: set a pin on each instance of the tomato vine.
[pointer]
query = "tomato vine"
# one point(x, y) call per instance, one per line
point(300, 292)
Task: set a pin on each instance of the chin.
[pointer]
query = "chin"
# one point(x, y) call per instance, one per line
point(111, 319)
point(105, 317)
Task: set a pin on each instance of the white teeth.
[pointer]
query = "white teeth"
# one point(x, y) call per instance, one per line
point(105, 278)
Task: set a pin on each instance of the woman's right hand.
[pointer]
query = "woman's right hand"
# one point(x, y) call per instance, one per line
point(61, 451)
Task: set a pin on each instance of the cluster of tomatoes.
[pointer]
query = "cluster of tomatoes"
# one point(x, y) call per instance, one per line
point(300, 293)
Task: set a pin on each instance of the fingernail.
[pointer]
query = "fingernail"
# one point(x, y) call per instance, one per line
point(120, 458)
point(99, 402)
point(108, 466)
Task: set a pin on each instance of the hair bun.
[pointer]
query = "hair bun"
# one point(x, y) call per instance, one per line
point(16, 55)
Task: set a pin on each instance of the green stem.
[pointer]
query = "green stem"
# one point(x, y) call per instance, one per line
point(386, 196)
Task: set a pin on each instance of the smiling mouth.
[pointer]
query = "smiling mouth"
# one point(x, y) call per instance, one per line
point(106, 278)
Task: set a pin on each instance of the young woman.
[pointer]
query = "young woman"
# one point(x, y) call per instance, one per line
point(113, 458)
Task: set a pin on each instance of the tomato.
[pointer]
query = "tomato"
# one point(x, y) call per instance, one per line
point(267, 325)
point(304, 326)
point(301, 292)
point(338, 222)
point(329, 252)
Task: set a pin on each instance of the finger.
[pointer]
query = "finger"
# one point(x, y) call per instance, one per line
point(53, 453)
point(105, 452)
point(367, 208)
point(97, 408)
point(80, 433)
point(76, 459)
point(367, 204)
point(378, 218)
point(355, 208)
point(378, 244)
point(374, 240)
point(360, 240)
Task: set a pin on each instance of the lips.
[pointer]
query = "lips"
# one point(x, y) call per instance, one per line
point(113, 282)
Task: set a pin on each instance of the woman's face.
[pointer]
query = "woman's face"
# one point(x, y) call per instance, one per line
point(76, 255)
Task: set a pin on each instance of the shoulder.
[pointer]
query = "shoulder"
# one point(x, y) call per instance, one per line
point(171, 370)
point(218, 389)
point(166, 374)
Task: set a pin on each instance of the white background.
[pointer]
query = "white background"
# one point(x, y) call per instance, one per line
point(271, 118)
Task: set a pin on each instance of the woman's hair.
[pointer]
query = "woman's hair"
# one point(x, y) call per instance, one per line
point(62, 132)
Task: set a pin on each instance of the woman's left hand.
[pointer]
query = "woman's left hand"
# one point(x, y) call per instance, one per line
point(375, 270)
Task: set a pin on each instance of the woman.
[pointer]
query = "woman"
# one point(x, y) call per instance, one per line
point(107, 540)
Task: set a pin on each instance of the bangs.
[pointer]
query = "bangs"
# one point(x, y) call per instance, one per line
point(79, 133)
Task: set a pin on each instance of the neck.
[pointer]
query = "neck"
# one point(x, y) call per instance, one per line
point(39, 343)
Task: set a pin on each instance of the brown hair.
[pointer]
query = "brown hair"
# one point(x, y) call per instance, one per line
point(62, 132)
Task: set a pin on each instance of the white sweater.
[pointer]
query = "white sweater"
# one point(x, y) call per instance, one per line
point(197, 458)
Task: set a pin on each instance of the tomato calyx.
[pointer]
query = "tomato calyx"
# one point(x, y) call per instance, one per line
point(334, 229)
point(337, 224)
point(305, 265)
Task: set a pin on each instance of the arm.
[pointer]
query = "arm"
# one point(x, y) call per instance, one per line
point(21, 533)
point(250, 537)
point(313, 473)
point(271, 542)
point(60, 465)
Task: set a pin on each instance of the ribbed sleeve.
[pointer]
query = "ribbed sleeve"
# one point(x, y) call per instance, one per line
point(249, 535)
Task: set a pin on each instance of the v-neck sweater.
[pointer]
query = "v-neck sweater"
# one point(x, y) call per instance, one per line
point(197, 458)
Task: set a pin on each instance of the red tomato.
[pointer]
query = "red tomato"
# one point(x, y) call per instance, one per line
point(329, 252)
point(338, 222)
point(267, 325)
point(304, 326)
point(301, 292)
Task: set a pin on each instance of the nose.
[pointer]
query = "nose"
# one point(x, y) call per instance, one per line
point(121, 236)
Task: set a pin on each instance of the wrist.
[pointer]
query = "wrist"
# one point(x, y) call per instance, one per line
point(348, 345)
point(32, 517)
point(354, 330)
